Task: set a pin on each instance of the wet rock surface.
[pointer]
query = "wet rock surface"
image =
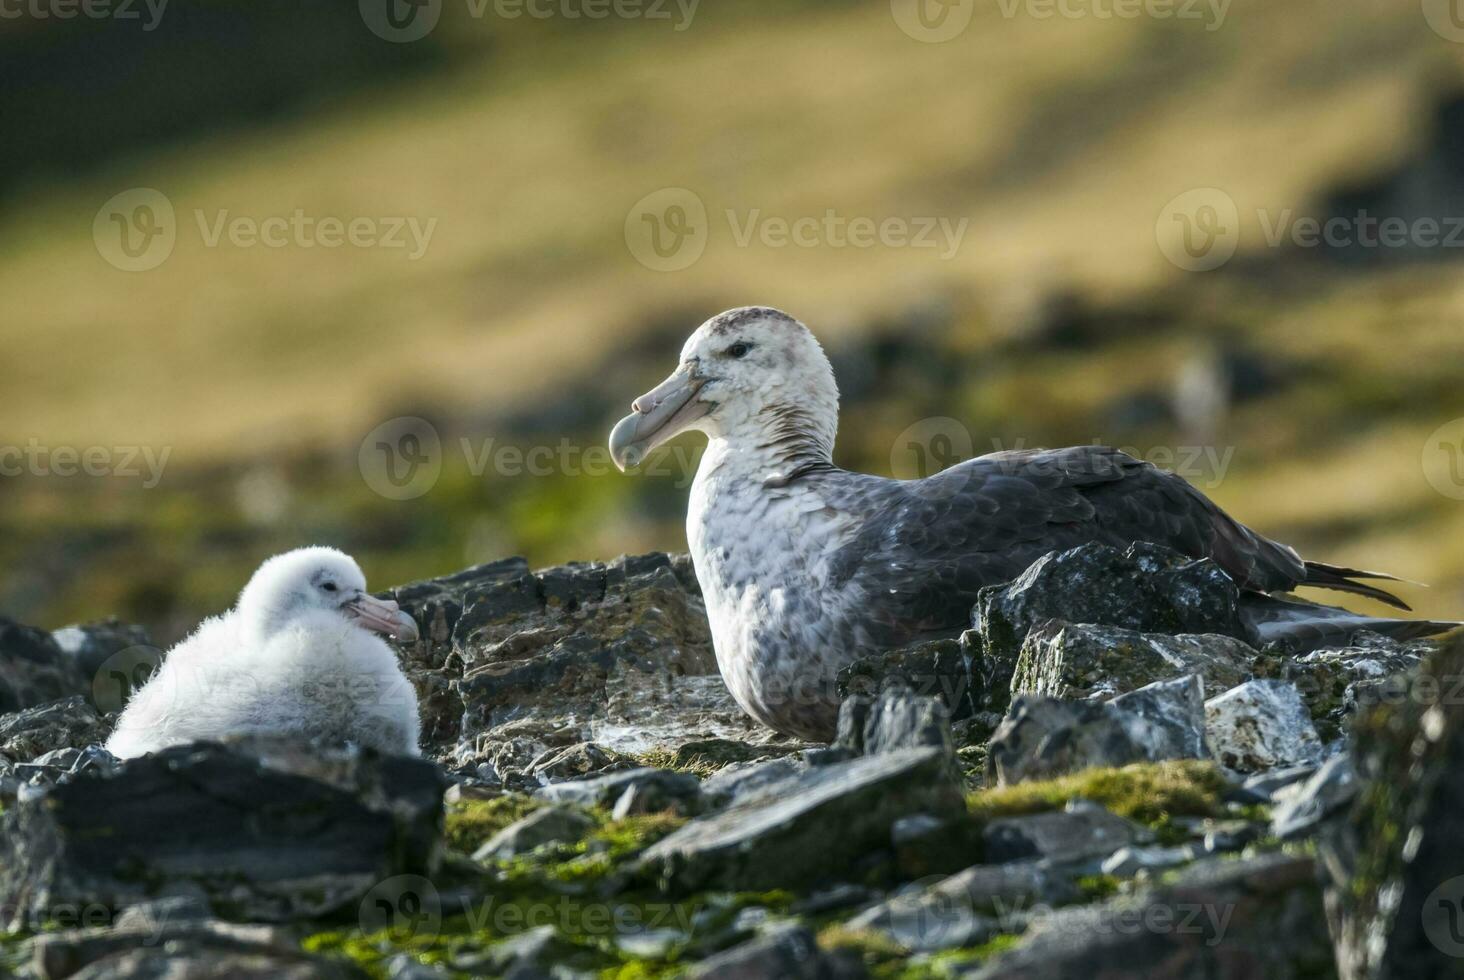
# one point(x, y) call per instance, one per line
point(1103, 777)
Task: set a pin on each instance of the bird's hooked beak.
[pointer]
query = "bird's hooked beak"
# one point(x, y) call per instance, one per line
point(383, 616)
point(661, 413)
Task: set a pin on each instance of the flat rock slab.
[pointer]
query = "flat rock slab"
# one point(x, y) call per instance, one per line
point(809, 828)
point(1064, 660)
point(268, 832)
point(671, 790)
point(968, 908)
point(1085, 832)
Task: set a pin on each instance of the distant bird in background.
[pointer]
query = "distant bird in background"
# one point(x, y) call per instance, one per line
point(805, 567)
point(297, 655)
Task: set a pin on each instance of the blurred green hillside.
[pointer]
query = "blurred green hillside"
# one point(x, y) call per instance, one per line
point(1318, 374)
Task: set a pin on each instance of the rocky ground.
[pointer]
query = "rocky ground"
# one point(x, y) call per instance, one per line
point(1103, 777)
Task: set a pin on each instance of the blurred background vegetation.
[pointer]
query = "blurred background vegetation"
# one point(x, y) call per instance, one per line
point(1316, 374)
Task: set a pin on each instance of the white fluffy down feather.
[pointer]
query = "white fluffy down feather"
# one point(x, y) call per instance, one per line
point(295, 656)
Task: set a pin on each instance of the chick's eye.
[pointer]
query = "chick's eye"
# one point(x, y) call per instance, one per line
point(738, 349)
point(329, 586)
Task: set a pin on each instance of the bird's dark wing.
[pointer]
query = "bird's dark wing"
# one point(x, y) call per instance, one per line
point(929, 545)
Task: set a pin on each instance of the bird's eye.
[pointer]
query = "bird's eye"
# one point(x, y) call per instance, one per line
point(329, 586)
point(738, 349)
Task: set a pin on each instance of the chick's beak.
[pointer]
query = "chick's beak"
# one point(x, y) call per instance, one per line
point(383, 616)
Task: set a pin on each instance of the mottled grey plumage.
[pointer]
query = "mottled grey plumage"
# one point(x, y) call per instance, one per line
point(806, 567)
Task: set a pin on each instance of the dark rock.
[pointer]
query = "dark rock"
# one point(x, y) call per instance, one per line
point(1147, 588)
point(674, 790)
point(1335, 682)
point(895, 719)
point(91, 645)
point(1062, 660)
point(938, 668)
point(966, 909)
point(550, 825)
point(53, 768)
point(1253, 918)
point(808, 829)
point(788, 951)
point(1395, 868)
point(1269, 784)
point(1083, 833)
point(1045, 737)
point(578, 762)
point(1169, 716)
point(173, 947)
point(617, 653)
point(1302, 808)
point(33, 668)
point(742, 780)
point(528, 955)
point(925, 845)
point(1261, 724)
point(263, 830)
point(69, 723)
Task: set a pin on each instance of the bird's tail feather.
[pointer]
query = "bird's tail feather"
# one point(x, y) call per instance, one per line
point(1342, 579)
point(1300, 626)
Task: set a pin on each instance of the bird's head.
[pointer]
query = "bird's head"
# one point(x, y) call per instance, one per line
point(751, 375)
point(318, 580)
